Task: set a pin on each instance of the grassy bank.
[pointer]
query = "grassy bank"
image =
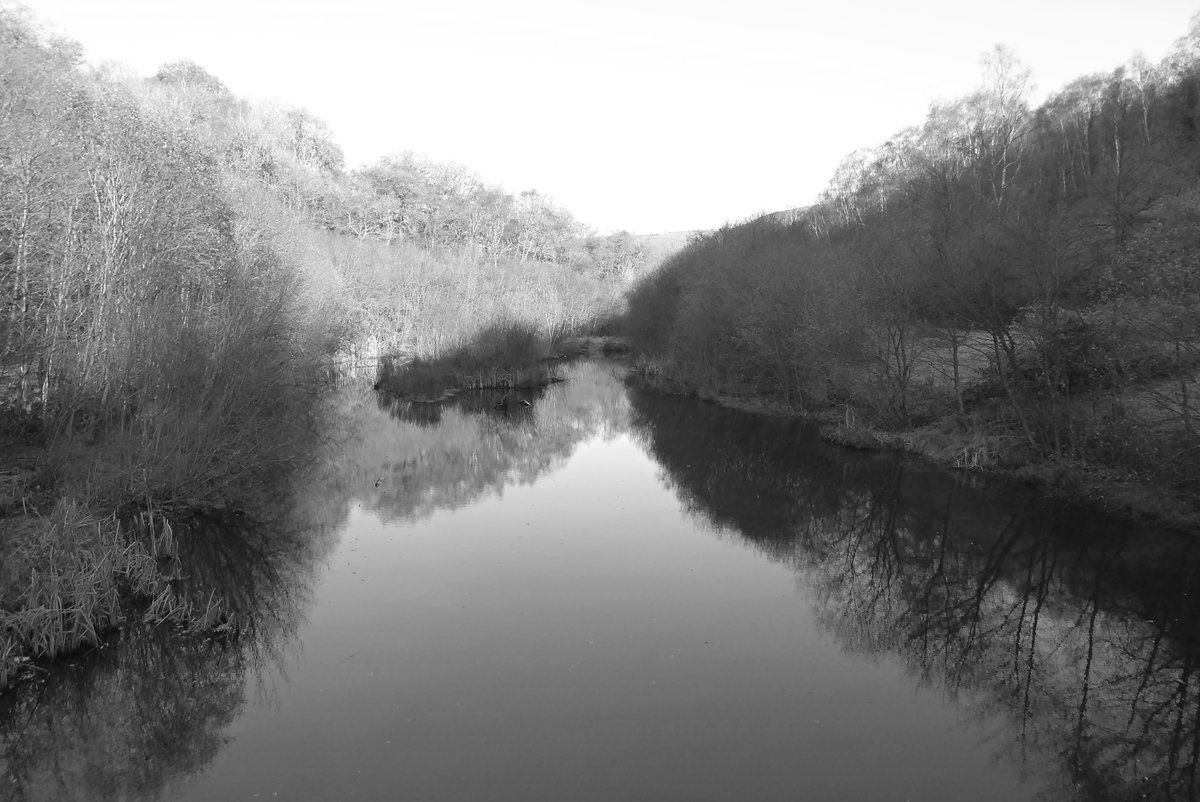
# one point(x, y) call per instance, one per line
point(950, 444)
point(963, 443)
point(70, 577)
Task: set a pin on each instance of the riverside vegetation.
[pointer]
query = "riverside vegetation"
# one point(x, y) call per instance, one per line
point(182, 274)
point(1002, 286)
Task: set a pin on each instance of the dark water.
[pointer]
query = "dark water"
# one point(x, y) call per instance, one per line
point(612, 594)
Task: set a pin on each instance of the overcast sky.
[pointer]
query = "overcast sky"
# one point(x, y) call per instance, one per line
point(634, 114)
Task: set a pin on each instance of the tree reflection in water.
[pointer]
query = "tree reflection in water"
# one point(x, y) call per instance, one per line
point(154, 704)
point(405, 460)
point(1079, 629)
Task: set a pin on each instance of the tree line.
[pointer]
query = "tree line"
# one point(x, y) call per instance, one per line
point(182, 273)
point(1027, 275)
point(401, 197)
point(170, 253)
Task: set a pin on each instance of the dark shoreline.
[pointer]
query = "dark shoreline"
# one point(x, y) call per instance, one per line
point(1107, 489)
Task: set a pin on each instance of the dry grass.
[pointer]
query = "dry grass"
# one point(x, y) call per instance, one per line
point(68, 578)
point(64, 576)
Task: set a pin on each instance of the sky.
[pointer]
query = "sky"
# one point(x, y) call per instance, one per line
point(639, 115)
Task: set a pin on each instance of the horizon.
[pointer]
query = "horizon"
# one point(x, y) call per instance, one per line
point(641, 117)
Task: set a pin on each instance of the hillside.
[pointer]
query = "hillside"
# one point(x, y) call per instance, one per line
point(662, 245)
point(1000, 285)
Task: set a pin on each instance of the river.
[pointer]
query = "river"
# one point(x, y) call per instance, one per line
point(614, 594)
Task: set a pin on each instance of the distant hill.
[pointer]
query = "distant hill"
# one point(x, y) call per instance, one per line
point(664, 244)
point(668, 242)
point(787, 216)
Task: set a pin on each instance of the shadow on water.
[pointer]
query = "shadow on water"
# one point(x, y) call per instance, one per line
point(1080, 630)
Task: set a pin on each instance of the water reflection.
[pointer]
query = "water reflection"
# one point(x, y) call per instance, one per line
point(154, 703)
point(1081, 630)
point(121, 721)
point(1078, 631)
point(407, 459)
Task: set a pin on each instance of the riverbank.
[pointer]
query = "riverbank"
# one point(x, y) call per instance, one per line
point(93, 526)
point(964, 444)
point(948, 444)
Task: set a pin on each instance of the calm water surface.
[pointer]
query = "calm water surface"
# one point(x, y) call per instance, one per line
point(615, 595)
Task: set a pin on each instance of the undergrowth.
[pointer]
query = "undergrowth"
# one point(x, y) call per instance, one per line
point(71, 576)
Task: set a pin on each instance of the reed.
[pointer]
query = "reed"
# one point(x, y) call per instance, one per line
point(10, 661)
point(69, 579)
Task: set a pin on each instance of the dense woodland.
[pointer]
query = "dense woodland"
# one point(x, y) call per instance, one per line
point(182, 272)
point(1000, 284)
point(169, 251)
